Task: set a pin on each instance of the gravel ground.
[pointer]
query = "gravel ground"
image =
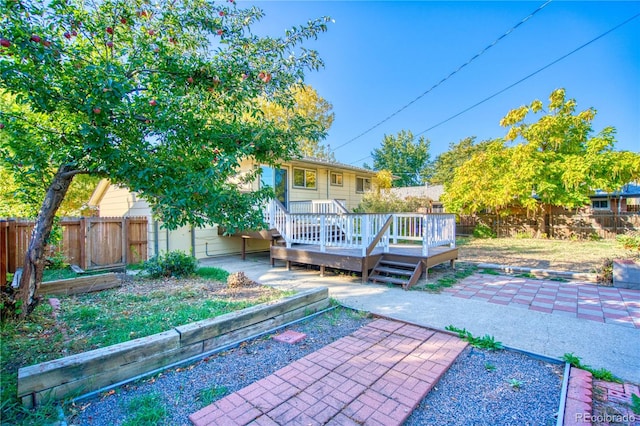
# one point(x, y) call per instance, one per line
point(180, 389)
point(493, 388)
point(467, 394)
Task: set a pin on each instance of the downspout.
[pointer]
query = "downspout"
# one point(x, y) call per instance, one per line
point(156, 234)
point(328, 183)
point(193, 241)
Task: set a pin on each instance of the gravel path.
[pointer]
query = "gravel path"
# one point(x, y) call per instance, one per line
point(467, 394)
point(493, 388)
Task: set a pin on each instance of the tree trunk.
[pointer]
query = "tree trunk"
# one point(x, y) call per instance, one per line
point(35, 256)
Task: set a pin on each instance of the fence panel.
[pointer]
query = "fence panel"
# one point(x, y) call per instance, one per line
point(92, 242)
point(559, 224)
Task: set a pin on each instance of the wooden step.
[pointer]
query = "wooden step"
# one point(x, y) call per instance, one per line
point(397, 264)
point(394, 271)
point(384, 279)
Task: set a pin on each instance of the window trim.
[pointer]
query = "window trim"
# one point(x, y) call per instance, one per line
point(600, 201)
point(332, 174)
point(305, 170)
point(364, 187)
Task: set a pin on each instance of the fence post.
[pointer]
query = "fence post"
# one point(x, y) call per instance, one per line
point(82, 235)
point(4, 246)
point(12, 241)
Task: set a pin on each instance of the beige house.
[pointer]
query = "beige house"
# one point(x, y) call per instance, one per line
point(297, 184)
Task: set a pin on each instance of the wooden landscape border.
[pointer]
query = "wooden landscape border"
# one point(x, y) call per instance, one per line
point(83, 373)
point(80, 285)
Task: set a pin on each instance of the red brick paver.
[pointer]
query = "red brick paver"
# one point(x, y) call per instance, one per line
point(375, 376)
point(573, 299)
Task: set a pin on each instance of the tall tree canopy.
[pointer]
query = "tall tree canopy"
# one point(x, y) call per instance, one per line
point(444, 166)
point(309, 103)
point(154, 96)
point(556, 160)
point(403, 157)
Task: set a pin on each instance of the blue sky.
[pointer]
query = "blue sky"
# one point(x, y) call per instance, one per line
point(380, 55)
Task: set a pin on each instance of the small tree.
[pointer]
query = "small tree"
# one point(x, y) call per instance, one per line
point(444, 166)
point(557, 161)
point(404, 158)
point(160, 97)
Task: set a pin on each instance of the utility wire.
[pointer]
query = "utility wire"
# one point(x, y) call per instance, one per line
point(476, 56)
point(521, 80)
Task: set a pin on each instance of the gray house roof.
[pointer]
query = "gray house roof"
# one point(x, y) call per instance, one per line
point(434, 192)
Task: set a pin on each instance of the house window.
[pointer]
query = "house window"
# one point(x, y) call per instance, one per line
point(304, 178)
point(600, 204)
point(336, 179)
point(362, 184)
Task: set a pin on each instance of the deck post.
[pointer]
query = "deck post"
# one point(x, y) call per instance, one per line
point(425, 235)
point(323, 233)
point(395, 229)
point(365, 234)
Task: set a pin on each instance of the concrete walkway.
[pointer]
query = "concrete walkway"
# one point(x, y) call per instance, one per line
point(609, 345)
point(375, 376)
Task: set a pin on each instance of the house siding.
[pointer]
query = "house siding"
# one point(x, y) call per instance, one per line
point(205, 242)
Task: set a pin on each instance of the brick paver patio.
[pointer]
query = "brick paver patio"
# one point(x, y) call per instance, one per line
point(375, 376)
point(575, 299)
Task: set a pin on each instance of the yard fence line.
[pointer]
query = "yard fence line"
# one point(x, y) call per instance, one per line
point(89, 242)
point(558, 224)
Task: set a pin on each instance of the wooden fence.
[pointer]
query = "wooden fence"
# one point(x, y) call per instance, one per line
point(558, 224)
point(89, 242)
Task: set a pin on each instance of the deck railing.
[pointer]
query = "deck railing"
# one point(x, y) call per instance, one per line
point(317, 206)
point(359, 230)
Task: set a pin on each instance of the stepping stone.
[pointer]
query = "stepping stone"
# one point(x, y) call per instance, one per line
point(290, 337)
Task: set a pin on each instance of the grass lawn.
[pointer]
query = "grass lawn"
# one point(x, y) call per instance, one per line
point(139, 308)
point(563, 255)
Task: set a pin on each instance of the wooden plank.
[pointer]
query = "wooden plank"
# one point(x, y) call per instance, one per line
point(209, 328)
point(80, 285)
point(332, 260)
point(80, 385)
point(49, 374)
point(239, 335)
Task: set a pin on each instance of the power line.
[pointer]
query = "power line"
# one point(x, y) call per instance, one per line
point(476, 56)
point(522, 79)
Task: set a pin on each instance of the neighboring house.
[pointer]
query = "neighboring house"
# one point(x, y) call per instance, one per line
point(625, 200)
point(296, 183)
point(433, 192)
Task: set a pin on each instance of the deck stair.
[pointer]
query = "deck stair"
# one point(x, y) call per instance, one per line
point(396, 272)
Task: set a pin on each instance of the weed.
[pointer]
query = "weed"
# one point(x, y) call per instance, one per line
point(600, 374)
point(212, 273)
point(515, 384)
point(485, 342)
point(208, 395)
point(489, 272)
point(629, 242)
point(635, 403)
point(489, 367)
point(526, 275)
point(145, 410)
point(483, 231)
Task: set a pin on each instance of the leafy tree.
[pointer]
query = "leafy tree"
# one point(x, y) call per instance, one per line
point(445, 164)
point(557, 161)
point(153, 95)
point(309, 103)
point(382, 181)
point(404, 158)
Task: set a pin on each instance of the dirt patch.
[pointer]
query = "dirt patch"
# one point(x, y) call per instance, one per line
point(205, 288)
point(561, 255)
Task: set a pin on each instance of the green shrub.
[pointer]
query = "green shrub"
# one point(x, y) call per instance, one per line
point(57, 260)
point(171, 264)
point(630, 242)
point(483, 231)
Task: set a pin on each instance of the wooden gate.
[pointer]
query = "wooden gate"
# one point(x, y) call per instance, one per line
point(89, 242)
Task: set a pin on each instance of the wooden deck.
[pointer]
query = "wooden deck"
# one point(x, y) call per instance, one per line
point(353, 260)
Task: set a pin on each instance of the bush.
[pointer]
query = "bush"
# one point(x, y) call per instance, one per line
point(57, 260)
point(629, 242)
point(171, 264)
point(483, 231)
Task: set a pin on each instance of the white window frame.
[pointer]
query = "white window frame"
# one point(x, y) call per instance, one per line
point(336, 174)
point(305, 171)
point(366, 184)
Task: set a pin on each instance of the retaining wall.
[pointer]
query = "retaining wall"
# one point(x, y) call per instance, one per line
point(80, 374)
